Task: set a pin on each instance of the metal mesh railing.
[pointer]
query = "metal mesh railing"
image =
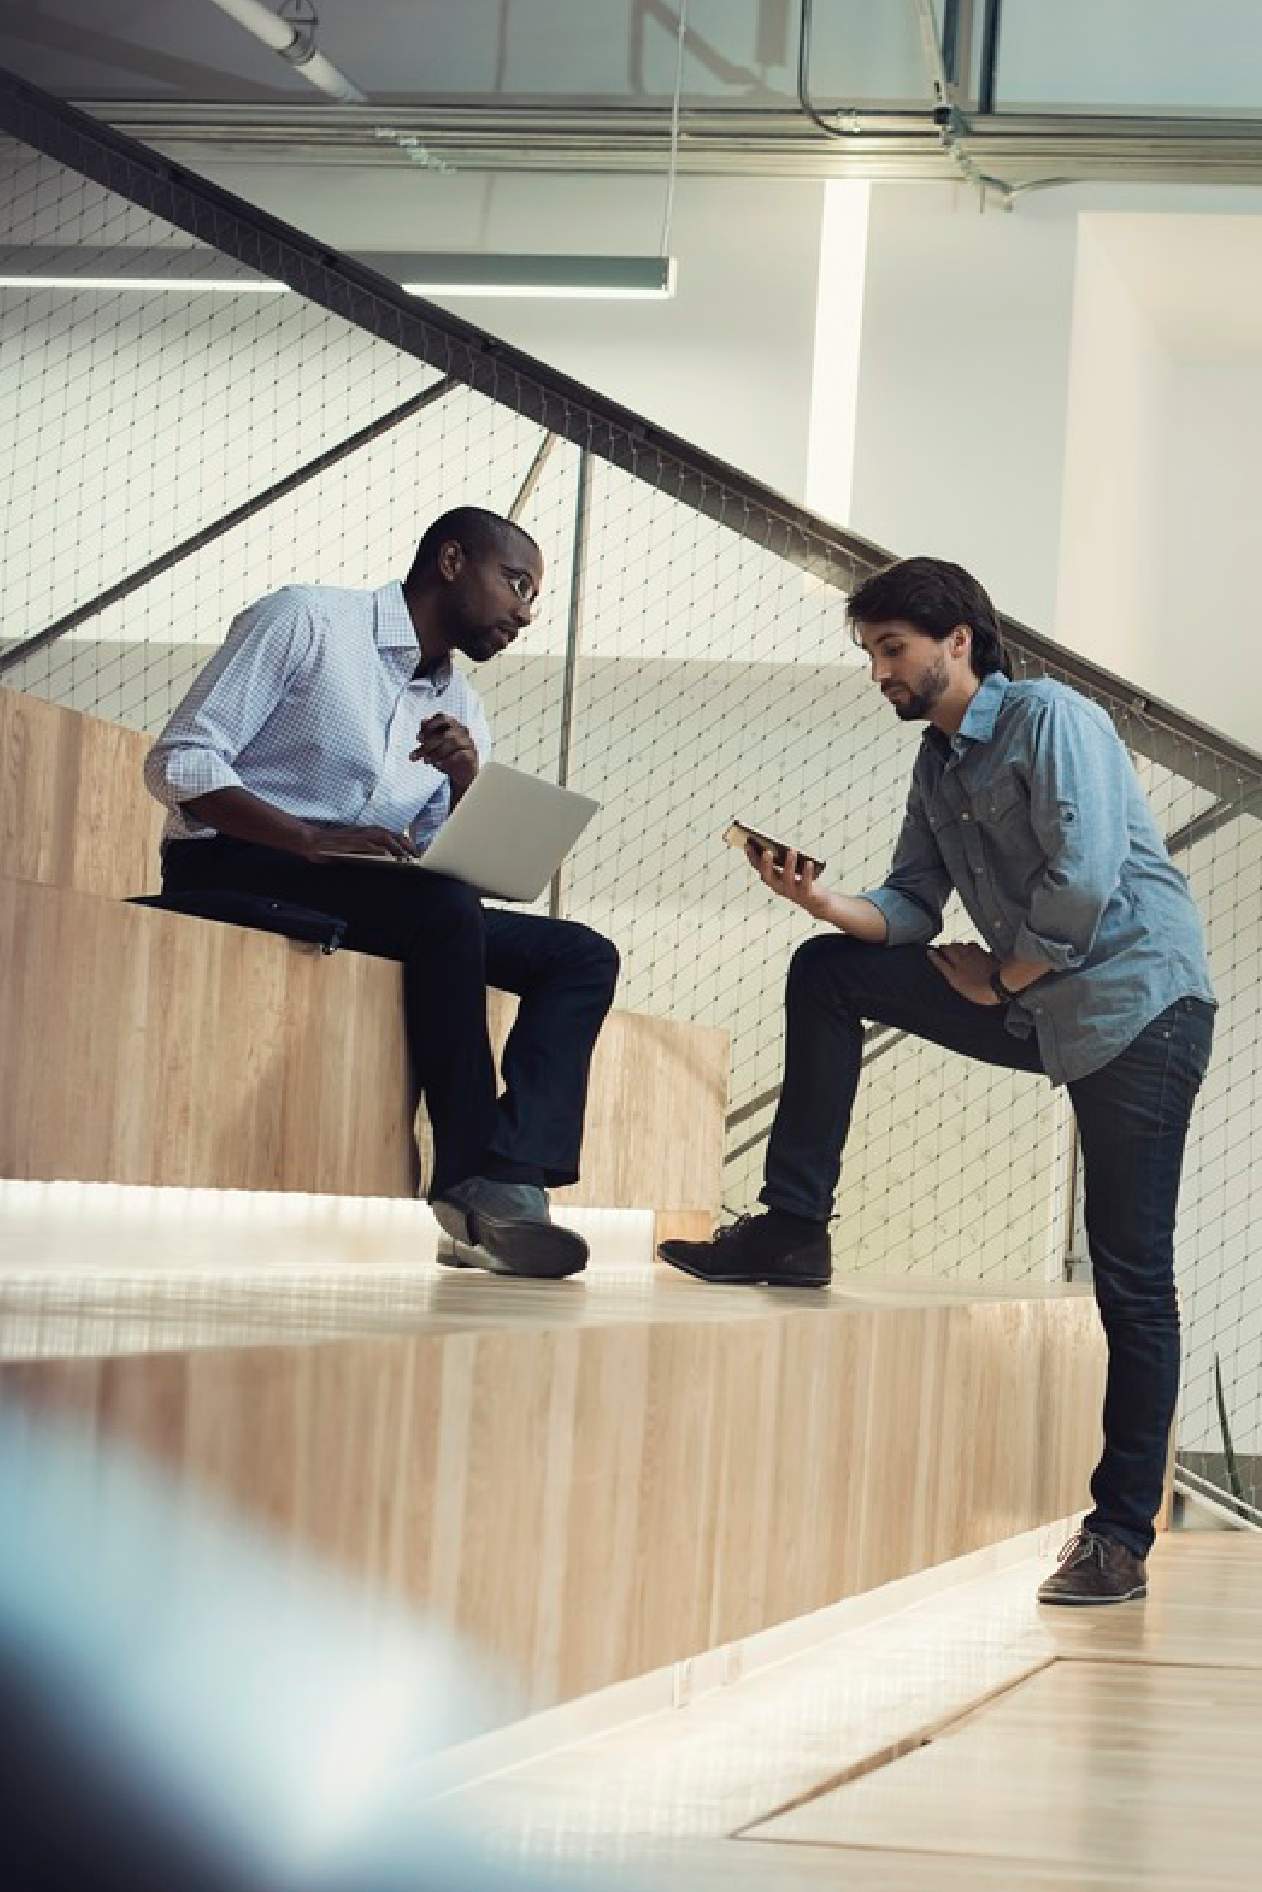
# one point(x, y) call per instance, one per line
point(180, 452)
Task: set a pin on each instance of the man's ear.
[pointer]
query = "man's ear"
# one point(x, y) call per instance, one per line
point(962, 639)
point(450, 558)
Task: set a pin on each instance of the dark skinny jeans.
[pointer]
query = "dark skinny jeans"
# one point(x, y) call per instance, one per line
point(1132, 1117)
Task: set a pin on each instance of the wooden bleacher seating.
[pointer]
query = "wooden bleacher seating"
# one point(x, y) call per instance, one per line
point(147, 1047)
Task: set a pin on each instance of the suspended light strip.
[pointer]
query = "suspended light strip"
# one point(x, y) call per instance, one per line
point(177, 285)
point(523, 291)
point(462, 274)
point(634, 278)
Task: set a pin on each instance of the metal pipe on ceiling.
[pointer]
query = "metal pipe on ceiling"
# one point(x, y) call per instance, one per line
point(294, 40)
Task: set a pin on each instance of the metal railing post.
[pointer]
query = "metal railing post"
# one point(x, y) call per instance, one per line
point(574, 624)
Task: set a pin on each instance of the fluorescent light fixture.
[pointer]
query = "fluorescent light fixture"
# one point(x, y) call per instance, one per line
point(178, 271)
point(179, 285)
point(574, 293)
point(443, 275)
point(460, 274)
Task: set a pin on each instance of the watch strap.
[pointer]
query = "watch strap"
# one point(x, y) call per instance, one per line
point(999, 989)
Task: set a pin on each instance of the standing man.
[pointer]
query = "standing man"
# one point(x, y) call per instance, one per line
point(1024, 802)
point(334, 721)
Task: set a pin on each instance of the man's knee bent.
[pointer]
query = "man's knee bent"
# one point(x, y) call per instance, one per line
point(822, 962)
point(589, 954)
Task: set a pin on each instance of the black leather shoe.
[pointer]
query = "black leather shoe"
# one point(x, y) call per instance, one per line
point(1095, 1569)
point(757, 1251)
point(504, 1228)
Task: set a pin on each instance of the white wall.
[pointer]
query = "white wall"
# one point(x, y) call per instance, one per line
point(1109, 603)
point(961, 404)
point(1065, 399)
point(1162, 486)
point(838, 339)
point(1210, 653)
point(727, 362)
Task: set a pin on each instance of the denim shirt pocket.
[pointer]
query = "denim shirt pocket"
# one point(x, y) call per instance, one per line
point(1003, 806)
point(943, 820)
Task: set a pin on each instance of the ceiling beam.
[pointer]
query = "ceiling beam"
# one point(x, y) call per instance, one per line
point(1023, 150)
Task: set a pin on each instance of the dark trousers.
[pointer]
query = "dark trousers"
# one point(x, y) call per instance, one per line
point(1132, 1121)
point(452, 948)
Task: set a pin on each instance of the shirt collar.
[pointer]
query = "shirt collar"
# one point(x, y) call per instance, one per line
point(978, 724)
point(392, 621)
point(983, 712)
point(393, 629)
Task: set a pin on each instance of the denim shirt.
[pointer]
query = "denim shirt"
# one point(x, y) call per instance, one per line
point(1034, 815)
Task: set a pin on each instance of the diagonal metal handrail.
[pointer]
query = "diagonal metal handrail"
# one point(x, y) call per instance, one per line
point(1211, 819)
point(176, 554)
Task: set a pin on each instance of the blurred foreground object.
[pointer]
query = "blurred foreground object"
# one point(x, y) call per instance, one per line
point(182, 1706)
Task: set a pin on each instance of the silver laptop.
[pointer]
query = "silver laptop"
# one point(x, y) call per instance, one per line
point(506, 838)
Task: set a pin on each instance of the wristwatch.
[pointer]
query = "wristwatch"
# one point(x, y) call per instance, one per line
point(999, 989)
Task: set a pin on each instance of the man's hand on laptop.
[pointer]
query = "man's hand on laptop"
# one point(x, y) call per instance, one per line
point(334, 840)
point(447, 746)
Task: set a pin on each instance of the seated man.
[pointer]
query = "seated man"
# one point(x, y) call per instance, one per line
point(334, 721)
point(1024, 802)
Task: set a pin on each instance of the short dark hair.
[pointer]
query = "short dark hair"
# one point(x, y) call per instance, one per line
point(475, 527)
point(935, 596)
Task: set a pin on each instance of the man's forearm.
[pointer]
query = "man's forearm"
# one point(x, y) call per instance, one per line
point(855, 916)
point(246, 817)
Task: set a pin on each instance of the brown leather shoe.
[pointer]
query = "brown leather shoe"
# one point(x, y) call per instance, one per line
point(1095, 1569)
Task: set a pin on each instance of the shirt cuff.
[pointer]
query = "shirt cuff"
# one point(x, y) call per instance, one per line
point(1054, 952)
point(906, 922)
point(183, 774)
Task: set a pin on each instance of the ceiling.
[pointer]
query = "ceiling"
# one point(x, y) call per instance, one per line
point(1134, 89)
point(583, 51)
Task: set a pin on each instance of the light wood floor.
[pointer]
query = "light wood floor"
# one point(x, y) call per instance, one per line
point(973, 1741)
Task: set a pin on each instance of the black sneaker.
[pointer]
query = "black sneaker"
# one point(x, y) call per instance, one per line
point(770, 1250)
point(1095, 1569)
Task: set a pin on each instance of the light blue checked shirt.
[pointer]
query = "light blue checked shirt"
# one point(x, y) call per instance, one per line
point(311, 703)
point(1033, 813)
